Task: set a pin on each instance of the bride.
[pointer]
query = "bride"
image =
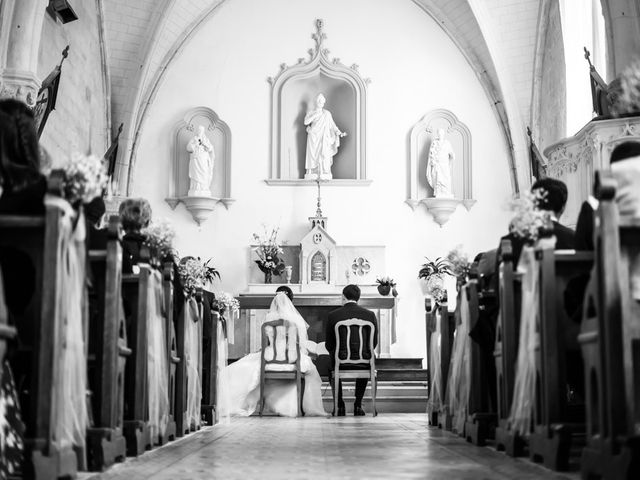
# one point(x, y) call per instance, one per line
point(240, 382)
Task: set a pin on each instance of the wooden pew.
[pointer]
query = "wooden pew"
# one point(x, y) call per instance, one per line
point(182, 426)
point(506, 350)
point(107, 353)
point(136, 411)
point(7, 332)
point(610, 341)
point(480, 423)
point(438, 317)
point(35, 240)
point(210, 320)
point(555, 425)
point(172, 350)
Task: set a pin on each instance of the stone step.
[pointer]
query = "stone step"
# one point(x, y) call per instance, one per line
point(398, 363)
point(416, 374)
point(383, 404)
point(385, 389)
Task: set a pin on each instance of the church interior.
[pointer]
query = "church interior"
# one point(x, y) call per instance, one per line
point(211, 211)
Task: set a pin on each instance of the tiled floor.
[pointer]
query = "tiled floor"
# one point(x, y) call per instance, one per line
point(390, 446)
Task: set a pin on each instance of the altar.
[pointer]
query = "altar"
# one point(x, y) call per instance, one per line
point(318, 268)
point(314, 308)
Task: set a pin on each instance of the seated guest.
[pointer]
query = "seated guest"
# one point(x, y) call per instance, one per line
point(94, 212)
point(22, 186)
point(135, 214)
point(554, 201)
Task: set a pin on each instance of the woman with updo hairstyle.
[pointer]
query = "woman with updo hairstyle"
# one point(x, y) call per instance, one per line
point(135, 215)
point(22, 186)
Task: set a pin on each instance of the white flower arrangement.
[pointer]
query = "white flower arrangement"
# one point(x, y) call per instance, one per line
point(529, 220)
point(85, 178)
point(227, 303)
point(194, 274)
point(459, 262)
point(159, 237)
point(435, 288)
point(268, 251)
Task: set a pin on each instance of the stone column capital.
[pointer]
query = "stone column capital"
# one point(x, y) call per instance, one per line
point(21, 85)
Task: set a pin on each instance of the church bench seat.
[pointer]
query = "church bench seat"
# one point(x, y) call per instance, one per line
point(557, 424)
point(174, 359)
point(441, 323)
point(210, 330)
point(108, 352)
point(481, 419)
point(610, 342)
point(148, 372)
point(506, 350)
point(189, 375)
point(34, 249)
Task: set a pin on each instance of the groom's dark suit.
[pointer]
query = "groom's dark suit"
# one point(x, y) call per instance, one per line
point(348, 311)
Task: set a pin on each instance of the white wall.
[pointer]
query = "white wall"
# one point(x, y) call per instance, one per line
point(414, 68)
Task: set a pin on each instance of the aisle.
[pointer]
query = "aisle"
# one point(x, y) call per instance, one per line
point(390, 446)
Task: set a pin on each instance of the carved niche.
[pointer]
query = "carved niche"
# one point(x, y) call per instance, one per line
point(420, 192)
point(219, 135)
point(293, 92)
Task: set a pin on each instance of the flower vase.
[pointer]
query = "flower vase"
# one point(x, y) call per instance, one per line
point(384, 289)
point(268, 277)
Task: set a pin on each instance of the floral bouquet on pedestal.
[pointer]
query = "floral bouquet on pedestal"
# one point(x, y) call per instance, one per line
point(195, 274)
point(529, 220)
point(433, 275)
point(268, 250)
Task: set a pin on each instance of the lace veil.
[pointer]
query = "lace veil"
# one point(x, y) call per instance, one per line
point(282, 308)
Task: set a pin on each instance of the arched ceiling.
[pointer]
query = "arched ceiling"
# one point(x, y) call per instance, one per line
point(497, 37)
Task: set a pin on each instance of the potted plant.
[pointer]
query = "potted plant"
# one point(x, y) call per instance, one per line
point(385, 284)
point(432, 273)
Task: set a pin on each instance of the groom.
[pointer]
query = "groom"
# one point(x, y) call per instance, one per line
point(349, 310)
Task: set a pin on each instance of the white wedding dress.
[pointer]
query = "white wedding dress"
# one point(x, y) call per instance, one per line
point(241, 380)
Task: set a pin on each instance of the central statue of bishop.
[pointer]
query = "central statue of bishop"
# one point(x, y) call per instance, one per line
point(323, 140)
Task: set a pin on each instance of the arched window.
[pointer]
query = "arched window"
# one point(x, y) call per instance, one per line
point(582, 26)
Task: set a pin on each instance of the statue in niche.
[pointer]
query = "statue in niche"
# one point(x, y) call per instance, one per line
point(323, 140)
point(441, 157)
point(200, 164)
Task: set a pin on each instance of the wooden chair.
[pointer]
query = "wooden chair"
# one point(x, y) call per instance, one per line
point(108, 352)
point(506, 350)
point(281, 365)
point(610, 342)
point(554, 424)
point(352, 358)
